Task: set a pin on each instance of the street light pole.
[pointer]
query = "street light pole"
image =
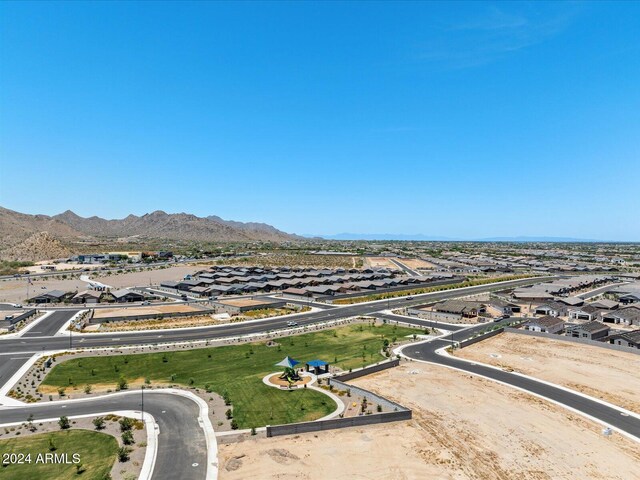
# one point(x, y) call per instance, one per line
point(142, 404)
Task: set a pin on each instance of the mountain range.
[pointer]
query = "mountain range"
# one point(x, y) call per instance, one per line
point(15, 227)
point(434, 238)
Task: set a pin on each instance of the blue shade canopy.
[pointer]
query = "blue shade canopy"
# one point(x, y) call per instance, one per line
point(287, 362)
point(317, 363)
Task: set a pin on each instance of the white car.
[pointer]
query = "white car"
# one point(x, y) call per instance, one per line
point(292, 324)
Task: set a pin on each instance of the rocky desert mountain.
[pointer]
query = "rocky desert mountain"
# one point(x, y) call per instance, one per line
point(16, 227)
point(37, 247)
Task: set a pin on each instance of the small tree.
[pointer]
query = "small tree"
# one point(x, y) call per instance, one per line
point(229, 414)
point(64, 423)
point(127, 438)
point(87, 389)
point(123, 454)
point(122, 383)
point(52, 445)
point(98, 423)
point(126, 424)
point(234, 424)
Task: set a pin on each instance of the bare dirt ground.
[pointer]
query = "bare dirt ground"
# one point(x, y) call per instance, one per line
point(602, 373)
point(15, 290)
point(416, 263)
point(462, 428)
point(153, 310)
point(379, 262)
point(145, 277)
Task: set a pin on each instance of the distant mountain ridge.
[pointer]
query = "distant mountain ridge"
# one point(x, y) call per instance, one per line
point(433, 238)
point(16, 227)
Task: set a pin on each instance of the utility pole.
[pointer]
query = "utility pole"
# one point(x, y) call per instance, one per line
point(142, 404)
point(70, 333)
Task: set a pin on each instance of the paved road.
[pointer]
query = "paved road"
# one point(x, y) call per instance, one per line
point(50, 325)
point(36, 344)
point(609, 416)
point(181, 442)
point(406, 269)
point(390, 317)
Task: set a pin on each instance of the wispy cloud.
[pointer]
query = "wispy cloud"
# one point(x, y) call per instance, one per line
point(495, 33)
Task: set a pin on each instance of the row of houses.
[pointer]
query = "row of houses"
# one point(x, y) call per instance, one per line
point(592, 330)
point(561, 288)
point(88, 296)
point(305, 282)
point(606, 311)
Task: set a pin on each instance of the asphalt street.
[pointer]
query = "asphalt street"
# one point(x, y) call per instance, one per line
point(182, 438)
point(610, 416)
point(406, 269)
point(182, 449)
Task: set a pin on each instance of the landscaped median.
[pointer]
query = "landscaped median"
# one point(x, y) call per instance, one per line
point(234, 372)
point(419, 291)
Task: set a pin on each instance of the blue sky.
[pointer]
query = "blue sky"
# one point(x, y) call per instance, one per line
point(464, 120)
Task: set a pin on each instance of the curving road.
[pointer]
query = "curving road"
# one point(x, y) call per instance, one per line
point(182, 448)
point(181, 441)
point(610, 416)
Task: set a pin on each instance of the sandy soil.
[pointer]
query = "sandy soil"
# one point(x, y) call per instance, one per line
point(380, 262)
point(15, 290)
point(145, 277)
point(152, 310)
point(599, 372)
point(463, 428)
point(416, 263)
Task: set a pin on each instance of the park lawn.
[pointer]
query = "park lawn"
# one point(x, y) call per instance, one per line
point(98, 452)
point(238, 370)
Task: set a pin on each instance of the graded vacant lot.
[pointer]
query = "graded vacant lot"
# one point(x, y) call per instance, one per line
point(237, 370)
point(602, 373)
point(463, 427)
point(416, 263)
point(97, 453)
point(146, 277)
point(380, 262)
point(151, 310)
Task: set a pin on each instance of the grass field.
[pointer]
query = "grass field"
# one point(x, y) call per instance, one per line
point(97, 453)
point(238, 370)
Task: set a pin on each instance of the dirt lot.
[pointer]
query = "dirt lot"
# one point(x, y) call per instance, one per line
point(15, 290)
point(416, 263)
point(463, 428)
point(145, 277)
point(379, 262)
point(599, 372)
point(131, 311)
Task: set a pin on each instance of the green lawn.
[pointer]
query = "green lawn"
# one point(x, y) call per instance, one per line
point(239, 370)
point(97, 453)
